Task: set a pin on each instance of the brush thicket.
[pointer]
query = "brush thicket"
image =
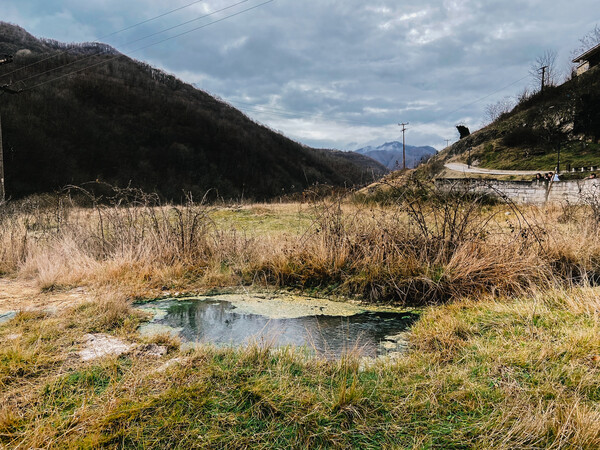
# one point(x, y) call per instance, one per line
point(426, 246)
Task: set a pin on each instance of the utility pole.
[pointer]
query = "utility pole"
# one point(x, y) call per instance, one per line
point(447, 142)
point(4, 59)
point(543, 69)
point(2, 190)
point(403, 125)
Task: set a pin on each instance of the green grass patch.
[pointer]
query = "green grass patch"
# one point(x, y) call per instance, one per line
point(573, 154)
point(264, 220)
point(491, 374)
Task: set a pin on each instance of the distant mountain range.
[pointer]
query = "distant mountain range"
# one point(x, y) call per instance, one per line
point(390, 154)
point(87, 112)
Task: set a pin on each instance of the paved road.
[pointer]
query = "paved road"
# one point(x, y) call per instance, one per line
point(457, 167)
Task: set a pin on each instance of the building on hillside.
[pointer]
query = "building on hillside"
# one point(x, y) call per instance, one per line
point(587, 60)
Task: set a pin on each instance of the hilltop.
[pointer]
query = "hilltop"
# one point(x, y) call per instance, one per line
point(88, 112)
point(529, 136)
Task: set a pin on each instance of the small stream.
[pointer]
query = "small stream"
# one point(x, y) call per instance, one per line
point(325, 329)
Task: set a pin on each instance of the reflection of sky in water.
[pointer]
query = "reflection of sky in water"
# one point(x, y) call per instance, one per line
point(6, 316)
point(214, 321)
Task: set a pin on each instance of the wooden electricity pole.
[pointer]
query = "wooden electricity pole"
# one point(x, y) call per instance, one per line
point(403, 125)
point(2, 190)
point(4, 59)
point(543, 69)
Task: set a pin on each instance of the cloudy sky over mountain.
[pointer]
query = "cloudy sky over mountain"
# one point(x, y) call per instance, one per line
point(334, 73)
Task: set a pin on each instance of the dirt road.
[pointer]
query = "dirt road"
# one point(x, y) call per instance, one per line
point(457, 167)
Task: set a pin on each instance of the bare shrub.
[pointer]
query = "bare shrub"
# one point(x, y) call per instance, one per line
point(494, 111)
point(52, 239)
point(132, 220)
point(590, 40)
point(433, 245)
point(570, 212)
point(424, 245)
point(591, 198)
point(550, 75)
point(26, 223)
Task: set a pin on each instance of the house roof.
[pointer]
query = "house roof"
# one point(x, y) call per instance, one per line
point(585, 56)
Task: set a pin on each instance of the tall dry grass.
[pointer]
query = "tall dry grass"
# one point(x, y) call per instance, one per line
point(427, 246)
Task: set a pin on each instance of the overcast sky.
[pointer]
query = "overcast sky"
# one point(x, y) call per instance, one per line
point(335, 73)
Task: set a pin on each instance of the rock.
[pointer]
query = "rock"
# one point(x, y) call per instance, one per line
point(153, 350)
point(100, 345)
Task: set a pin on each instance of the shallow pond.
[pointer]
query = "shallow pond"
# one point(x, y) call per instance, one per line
point(326, 328)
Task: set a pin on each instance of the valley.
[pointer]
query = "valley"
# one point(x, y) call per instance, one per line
point(177, 274)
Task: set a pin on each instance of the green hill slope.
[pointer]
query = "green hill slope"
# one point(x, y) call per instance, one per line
point(565, 117)
point(123, 121)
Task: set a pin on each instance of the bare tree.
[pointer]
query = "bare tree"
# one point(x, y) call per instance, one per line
point(523, 96)
point(543, 70)
point(495, 110)
point(591, 39)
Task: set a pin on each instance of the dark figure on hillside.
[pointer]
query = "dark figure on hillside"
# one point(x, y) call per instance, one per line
point(592, 176)
point(463, 131)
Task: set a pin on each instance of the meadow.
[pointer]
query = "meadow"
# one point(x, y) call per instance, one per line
point(506, 353)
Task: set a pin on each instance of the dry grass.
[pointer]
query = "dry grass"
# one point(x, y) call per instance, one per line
point(428, 249)
point(513, 361)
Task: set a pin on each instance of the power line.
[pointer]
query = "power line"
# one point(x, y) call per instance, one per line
point(107, 35)
point(150, 45)
point(271, 111)
point(430, 122)
point(186, 22)
point(150, 20)
point(292, 115)
point(77, 61)
point(479, 99)
point(259, 109)
point(205, 25)
point(288, 114)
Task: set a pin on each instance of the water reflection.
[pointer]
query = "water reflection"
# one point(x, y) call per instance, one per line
point(217, 322)
point(7, 316)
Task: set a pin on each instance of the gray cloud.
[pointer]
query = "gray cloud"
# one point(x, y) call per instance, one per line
point(336, 73)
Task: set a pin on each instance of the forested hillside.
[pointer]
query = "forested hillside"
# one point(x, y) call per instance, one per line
point(90, 113)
